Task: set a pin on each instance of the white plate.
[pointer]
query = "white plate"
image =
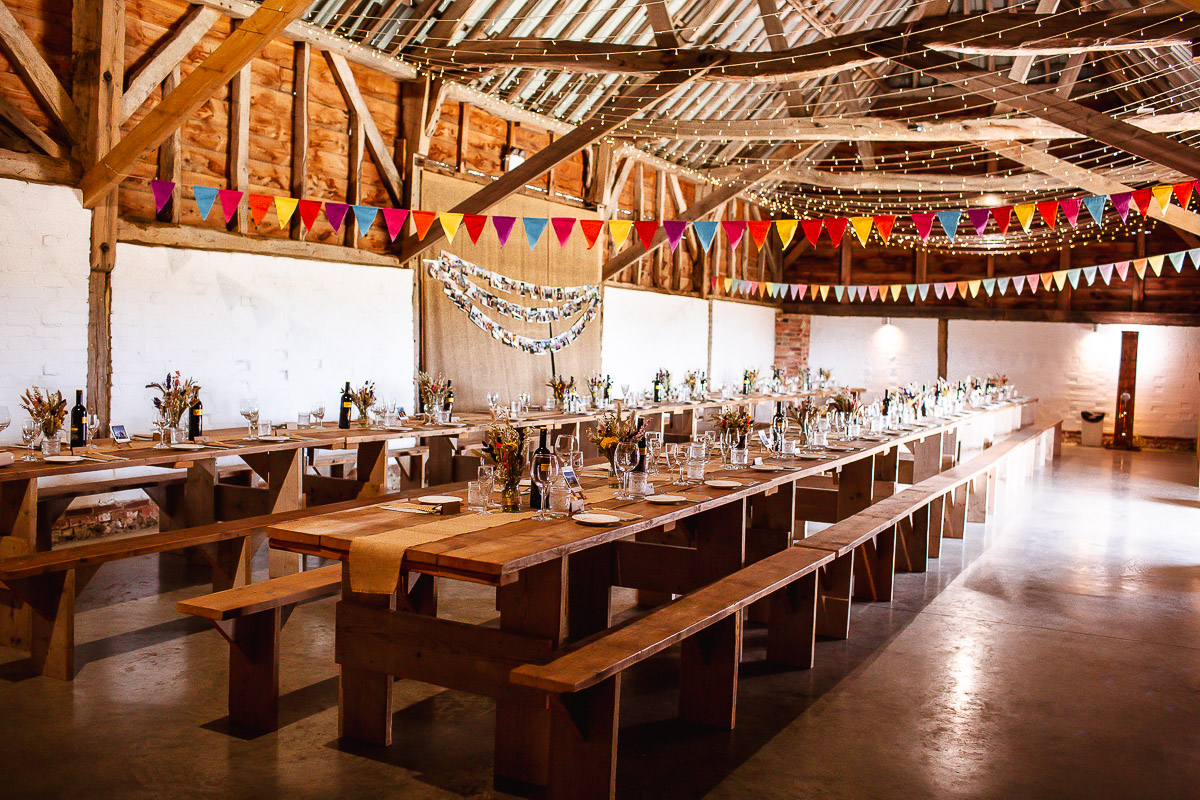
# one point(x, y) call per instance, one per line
point(525, 483)
point(272, 438)
point(596, 520)
point(719, 484)
point(63, 459)
point(666, 499)
point(438, 499)
point(187, 446)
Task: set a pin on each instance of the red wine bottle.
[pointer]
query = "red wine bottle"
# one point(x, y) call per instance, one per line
point(535, 492)
point(196, 420)
point(344, 410)
point(79, 421)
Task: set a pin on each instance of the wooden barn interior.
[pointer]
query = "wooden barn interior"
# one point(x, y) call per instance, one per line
point(579, 399)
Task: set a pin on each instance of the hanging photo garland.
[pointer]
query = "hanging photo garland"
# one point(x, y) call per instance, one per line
point(451, 271)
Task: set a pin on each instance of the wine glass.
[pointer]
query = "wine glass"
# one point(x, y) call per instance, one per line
point(93, 427)
point(29, 434)
point(625, 391)
point(249, 409)
point(565, 443)
point(625, 458)
point(654, 444)
point(670, 457)
point(318, 412)
point(543, 469)
point(5, 419)
point(162, 426)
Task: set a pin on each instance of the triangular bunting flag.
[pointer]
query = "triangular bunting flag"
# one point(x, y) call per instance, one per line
point(734, 231)
point(259, 204)
point(562, 229)
point(962, 289)
point(1095, 207)
point(475, 223)
point(1106, 271)
point(591, 230)
point(973, 286)
point(1047, 279)
point(1122, 268)
point(618, 231)
point(1163, 195)
point(799, 290)
point(706, 231)
point(759, 228)
point(534, 227)
point(309, 209)
point(1024, 213)
point(1195, 254)
point(336, 213)
point(824, 292)
point(924, 222)
point(979, 219)
point(163, 192)
point(836, 228)
point(1018, 282)
point(504, 228)
point(675, 229)
point(1070, 210)
point(450, 223)
point(423, 220)
point(939, 289)
point(862, 228)
point(839, 291)
point(230, 200)
point(911, 290)
point(1031, 283)
point(646, 228)
point(812, 229)
point(285, 207)
point(896, 292)
point(1060, 279)
point(883, 224)
point(1141, 199)
point(1139, 266)
point(873, 291)
point(394, 218)
point(1089, 275)
point(1120, 202)
point(1002, 215)
point(364, 217)
point(1049, 212)
point(1183, 192)
point(951, 287)
point(786, 230)
point(1073, 277)
point(923, 288)
point(1156, 264)
point(1002, 284)
point(728, 283)
point(949, 221)
point(1177, 260)
point(205, 197)
point(989, 286)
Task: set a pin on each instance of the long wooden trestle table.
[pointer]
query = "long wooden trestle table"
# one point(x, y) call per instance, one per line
point(554, 579)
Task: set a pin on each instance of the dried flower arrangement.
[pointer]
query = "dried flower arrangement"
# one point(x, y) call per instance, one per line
point(48, 409)
point(363, 398)
point(176, 396)
point(561, 387)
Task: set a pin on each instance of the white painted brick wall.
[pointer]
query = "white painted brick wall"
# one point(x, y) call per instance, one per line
point(743, 336)
point(862, 351)
point(637, 323)
point(44, 239)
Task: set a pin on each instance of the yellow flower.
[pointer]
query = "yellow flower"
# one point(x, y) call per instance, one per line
point(608, 442)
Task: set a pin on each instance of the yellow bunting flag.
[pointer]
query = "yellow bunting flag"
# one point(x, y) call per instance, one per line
point(1060, 278)
point(824, 292)
point(1163, 195)
point(728, 283)
point(895, 291)
point(862, 228)
point(786, 228)
point(974, 287)
point(1024, 214)
point(618, 229)
point(1139, 266)
point(1156, 263)
point(284, 208)
point(450, 223)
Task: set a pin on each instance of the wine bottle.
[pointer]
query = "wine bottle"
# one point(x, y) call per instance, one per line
point(778, 427)
point(196, 420)
point(657, 390)
point(535, 493)
point(344, 410)
point(745, 383)
point(641, 462)
point(448, 404)
point(79, 421)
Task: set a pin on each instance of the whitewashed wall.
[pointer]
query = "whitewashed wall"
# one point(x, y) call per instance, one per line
point(646, 331)
point(1073, 368)
point(44, 238)
point(284, 330)
point(864, 352)
point(743, 335)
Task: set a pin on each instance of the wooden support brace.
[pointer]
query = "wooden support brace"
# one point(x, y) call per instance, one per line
point(708, 674)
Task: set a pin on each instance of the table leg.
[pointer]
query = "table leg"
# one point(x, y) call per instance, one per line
point(439, 468)
point(771, 530)
point(535, 604)
point(285, 492)
point(364, 696)
point(856, 487)
point(589, 589)
point(372, 468)
point(18, 536)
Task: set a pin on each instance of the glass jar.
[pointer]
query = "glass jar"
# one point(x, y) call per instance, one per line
point(52, 445)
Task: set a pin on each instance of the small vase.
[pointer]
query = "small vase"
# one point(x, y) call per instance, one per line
point(51, 445)
point(614, 480)
point(510, 497)
point(169, 436)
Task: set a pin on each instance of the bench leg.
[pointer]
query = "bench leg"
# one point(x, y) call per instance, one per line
point(936, 516)
point(583, 743)
point(875, 566)
point(231, 563)
point(912, 542)
point(792, 630)
point(956, 512)
point(708, 673)
point(51, 601)
point(254, 670)
point(833, 598)
point(977, 504)
point(993, 488)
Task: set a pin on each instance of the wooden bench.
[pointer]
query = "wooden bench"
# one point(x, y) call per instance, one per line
point(47, 582)
point(251, 618)
point(583, 682)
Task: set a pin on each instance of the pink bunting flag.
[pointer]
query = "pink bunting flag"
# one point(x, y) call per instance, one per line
point(562, 229)
point(674, 229)
point(1122, 268)
point(979, 219)
point(1120, 202)
point(734, 231)
point(951, 286)
point(1070, 210)
point(503, 226)
point(799, 290)
point(924, 222)
point(163, 192)
point(874, 292)
point(394, 218)
point(230, 200)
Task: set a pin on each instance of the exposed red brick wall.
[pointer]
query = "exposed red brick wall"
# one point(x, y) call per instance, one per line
point(791, 341)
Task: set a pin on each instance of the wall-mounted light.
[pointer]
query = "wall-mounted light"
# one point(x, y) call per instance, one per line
point(887, 320)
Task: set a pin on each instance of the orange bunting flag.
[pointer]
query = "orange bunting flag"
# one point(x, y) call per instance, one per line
point(423, 220)
point(1047, 277)
point(786, 228)
point(962, 288)
point(259, 205)
point(883, 224)
point(1139, 266)
point(862, 228)
point(759, 228)
point(591, 230)
point(618, 230)
point(1183, 192)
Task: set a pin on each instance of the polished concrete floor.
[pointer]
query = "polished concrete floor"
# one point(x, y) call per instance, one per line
point(1053, 653)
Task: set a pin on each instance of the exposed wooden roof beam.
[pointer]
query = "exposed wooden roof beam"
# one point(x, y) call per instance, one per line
point(201, 83)
point(665, 34)
point(167, 57)
point(43, 84)
point(380, 153)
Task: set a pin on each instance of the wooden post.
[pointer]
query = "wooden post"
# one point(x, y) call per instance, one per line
point(239, 141)
point(943, 346)
point(170, 157)
point(1126, 389)
point(301, 63)
point(354, 182)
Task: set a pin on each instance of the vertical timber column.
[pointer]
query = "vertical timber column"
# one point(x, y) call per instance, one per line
point(170, 156)
point(1126, 387)
point(239, 142)
point(301, 63)
point(943, 346)
point(98, 50)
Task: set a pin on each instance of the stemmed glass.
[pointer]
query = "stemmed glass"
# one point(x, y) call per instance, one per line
point(625, 458)
point(543, 469)
point(93, 427)
point(5, 419)
point(565, 443)
point(249, 410)
point(670, 455)
point(654, 444)
point(625, 391)
point(318, 412)
point(379, 410)
point(161, 424)
point(29, 434)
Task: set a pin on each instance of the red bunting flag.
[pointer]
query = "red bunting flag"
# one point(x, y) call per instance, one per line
point(812, 229)
point(394, 218)
point(1002, 215)
point(562, 229)
point(1183, 193)
point(883, 224)
point(424, 221)
point(924, 222)
point(260, 204)
point(230, 200)
point(646, 229)
point(591, 230)
point(1049, 212)
point(475, 223)
point(309, 209)
point(836, 227)
point(1142, 198)
point(759, 228)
